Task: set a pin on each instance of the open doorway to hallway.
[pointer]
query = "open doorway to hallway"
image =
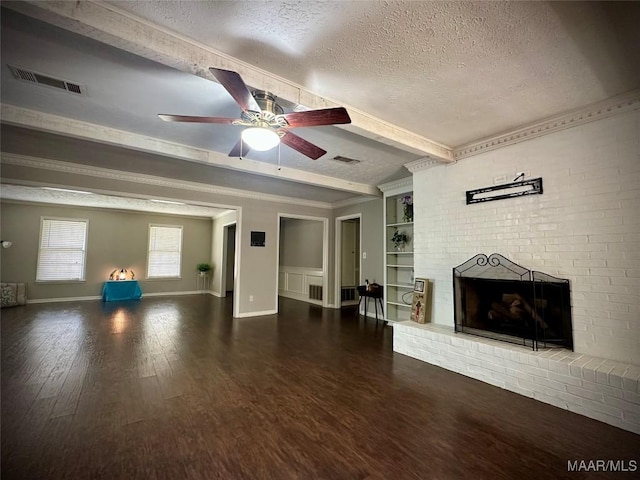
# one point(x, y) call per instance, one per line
point(348, 259)
point(228, 260)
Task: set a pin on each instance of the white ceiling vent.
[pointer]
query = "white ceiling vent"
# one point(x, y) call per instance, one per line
point(347, 160)
point(46, 80)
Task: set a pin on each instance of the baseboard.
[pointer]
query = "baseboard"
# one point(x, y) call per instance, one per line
point(299, 296)
point(169, 294)
point(215, 294)
point(65, 299)
point(256, 314)
point(99, 297)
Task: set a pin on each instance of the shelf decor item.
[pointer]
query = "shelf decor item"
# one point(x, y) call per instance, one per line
point(399, 240)
point(407, 209)
point(203, 268)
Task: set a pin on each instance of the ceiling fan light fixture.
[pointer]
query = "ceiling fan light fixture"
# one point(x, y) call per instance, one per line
point(260, 138)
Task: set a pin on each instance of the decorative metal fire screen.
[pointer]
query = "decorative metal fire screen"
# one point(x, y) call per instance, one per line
point(499, 299)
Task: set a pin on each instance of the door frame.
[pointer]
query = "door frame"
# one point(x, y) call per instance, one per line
point(325, 253)
point(338, 256)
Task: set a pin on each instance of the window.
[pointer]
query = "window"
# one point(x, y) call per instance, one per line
point(62, 251)
point(165, 251)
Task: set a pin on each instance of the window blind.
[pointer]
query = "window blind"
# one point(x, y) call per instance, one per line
point(62, 251)
point(165, 251)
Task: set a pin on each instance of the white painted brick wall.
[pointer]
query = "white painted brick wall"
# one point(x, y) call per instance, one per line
point(602, 389)
point(585, 227)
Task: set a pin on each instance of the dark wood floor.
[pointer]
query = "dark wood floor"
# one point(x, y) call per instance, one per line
point(174, 388)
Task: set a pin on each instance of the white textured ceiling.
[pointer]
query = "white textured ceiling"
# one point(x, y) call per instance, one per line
point(452, 72)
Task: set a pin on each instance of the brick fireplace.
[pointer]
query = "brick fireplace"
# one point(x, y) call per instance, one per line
point(584, 228)
point(499, 299)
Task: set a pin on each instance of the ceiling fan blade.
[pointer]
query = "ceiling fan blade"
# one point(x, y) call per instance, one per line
point(301, 145)
point(190, 118)
point(311, 118)
point(235, 151)
point(236, 87)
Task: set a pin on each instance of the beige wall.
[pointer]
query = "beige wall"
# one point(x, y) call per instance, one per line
point(257, 265)
point(116, 239)
point(300, 243)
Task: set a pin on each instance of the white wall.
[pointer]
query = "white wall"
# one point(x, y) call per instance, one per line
point(585, 227)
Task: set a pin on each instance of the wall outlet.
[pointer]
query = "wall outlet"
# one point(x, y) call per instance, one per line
point(251, 298)
point(364, 255)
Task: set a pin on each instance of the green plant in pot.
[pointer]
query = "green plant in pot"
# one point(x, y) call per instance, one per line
point(399, 240)
point(203, 268)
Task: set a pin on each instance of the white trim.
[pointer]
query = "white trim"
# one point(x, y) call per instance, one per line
point(325, 253)
point(404, 184)
point(99, 172)
point(215, 294)
point(421, 164)
point(590, 113)
point(337, 255)
point(166, 294)
point(236, 267)
point(256, 314)
point(63, 299)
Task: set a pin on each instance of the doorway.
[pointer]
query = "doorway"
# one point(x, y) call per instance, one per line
point(348, 259)
point(303, 252)
point(228, 259)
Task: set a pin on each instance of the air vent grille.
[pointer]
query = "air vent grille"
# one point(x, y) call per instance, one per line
point(347, 160)
point(46, 80)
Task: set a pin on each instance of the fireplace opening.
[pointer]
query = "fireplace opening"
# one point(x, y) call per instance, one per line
point(499, 299)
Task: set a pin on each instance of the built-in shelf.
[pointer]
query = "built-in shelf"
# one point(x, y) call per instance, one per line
point(399, 266)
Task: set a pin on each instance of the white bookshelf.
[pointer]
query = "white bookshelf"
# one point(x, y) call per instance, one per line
point(399, 263)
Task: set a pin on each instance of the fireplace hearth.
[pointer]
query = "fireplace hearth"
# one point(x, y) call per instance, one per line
point(499, 299)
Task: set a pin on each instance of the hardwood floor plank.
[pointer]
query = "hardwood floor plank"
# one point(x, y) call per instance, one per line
point(175, 387)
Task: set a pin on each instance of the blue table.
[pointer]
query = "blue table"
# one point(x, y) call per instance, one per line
point(114, 290)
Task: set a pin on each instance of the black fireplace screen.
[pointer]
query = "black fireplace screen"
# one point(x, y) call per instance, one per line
point(496, 298)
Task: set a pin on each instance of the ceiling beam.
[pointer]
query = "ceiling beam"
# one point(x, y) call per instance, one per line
point(69, 127)
point(120, 29)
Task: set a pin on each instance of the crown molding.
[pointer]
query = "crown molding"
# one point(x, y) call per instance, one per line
point(421, 164)
point(403, 183)
point(90, 171)
point(591, 113)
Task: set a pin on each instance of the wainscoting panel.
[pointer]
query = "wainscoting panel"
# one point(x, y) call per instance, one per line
point(301, 284)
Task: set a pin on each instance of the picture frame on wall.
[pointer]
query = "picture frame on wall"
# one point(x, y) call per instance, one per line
point(258, 239)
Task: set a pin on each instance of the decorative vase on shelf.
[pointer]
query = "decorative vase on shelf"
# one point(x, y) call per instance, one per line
point(407, 208)
point(400, 247)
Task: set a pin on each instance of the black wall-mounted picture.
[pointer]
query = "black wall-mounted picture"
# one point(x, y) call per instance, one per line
point(509, 190)
point(257, 239)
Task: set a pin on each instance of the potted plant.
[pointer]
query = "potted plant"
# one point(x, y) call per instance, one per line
point(399, 240)
point(203, 268)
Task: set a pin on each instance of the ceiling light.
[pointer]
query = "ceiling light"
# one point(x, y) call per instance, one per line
point(67, 190)
point(166, 201)
point(260, 138)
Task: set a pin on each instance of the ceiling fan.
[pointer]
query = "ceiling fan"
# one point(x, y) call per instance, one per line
point(267, 124)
